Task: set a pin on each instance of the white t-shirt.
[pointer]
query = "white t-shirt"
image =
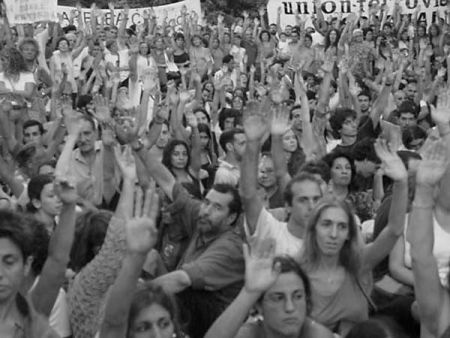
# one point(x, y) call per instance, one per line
point(59, 317)
point(122, 59)
point(24, 78)
point(268, 226)
point(78, 61)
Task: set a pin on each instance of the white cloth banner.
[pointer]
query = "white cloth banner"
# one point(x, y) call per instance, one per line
point(30, 11)
point(135, 16)
point(428, 8)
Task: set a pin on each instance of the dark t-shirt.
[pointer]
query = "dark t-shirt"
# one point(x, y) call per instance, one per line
point(381, 221)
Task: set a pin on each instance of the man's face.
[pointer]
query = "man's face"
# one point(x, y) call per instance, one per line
point(239, 143)
point(294, 37)
point(266, 173)
point(13, 269)
point(288, 30)
point(407, 119)
point(164, 137)
point(248, 35)
point(399, 98)
point(349, 127)
point(411, 91)
point(214, 215)
point(297, 119)
point(364, 103)
point(273, 29)
point(87, 137)
point(32, 134)
point(305, 196)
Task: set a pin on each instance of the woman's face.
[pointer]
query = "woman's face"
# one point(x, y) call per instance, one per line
point(29, 51)
point(204, 140)
point(265, 37)
point(238, 103)
point(159, 43)
point(163, 137)
point(284, 305)
point(332, 231)
point(215, 43)
point(63, 46)
point(179, 157)
point(50, 202)
point(209, 86)
point(341, 171)
point(433, 30)
point(369, 36)
point(244, 80)
point(290, 141)
point(201, 117)
point(180, 43)
point(196, 41)
point(333, 36)
point(266, 173)
point(420, 31)
point(226, 38)
point(143, 48)
point(153, 322)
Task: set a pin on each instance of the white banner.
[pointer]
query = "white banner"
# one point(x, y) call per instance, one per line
point(135, 15)
point(429, 9)
point(29, 11)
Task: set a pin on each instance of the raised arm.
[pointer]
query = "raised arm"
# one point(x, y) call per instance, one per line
point(255, 127)
point(141, 237)
point(430, 294)
point(394, 168)
point(52, 276)
point(278, 127)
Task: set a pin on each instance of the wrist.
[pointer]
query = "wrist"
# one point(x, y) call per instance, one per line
point(137, 254)
point(251, 293)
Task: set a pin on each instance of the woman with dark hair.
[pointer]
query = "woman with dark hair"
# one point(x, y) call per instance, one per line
point(180, 55)
point(208, 155)
point(61, 64)
point(280, 291)
point(44, 204)
point(147, 311)
point(177, 158)
point(266, 47)
point(331, 42)
point(338, 263)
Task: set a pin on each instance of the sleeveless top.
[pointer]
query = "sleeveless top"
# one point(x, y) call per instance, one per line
point(441, 250)
point(346, 307)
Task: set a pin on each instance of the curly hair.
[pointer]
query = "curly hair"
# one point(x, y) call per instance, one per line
point(13, 62)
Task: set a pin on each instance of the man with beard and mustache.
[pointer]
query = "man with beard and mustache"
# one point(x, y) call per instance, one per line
point(210, 273)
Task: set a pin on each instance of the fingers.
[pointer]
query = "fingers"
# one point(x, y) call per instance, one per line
point(138, 196)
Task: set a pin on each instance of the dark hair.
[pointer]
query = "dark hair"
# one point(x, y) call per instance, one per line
point(412, 133)
point(169, 149)
point(339, 116)
point(29, 41)
point(32, 123)
point(265, 31)
point(227, 58)
point(288, 264)
point(381, 327)
point(228, 137)
point(63, 38)
point(204, 128)
point(149, 294)
point(365, 93)
point(90, 231)
point(364, 150)
point(16, 227)
point(299, 178)
point(39, 245)
point(204, 113)
point(316, 168)
point(26, 155)
point(333, 156)
point(35, 187)
point(235, 205)
point(408, 106)
point(15, 62)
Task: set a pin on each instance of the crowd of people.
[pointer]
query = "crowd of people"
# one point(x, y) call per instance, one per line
point(193, 178)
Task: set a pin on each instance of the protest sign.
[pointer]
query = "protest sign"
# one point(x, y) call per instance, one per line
point(135, 16)
point(428, 9)
point(29, 11)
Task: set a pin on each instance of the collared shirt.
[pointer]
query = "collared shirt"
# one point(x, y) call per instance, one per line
point(227, 173)
point(214, 264)
point(82, 171)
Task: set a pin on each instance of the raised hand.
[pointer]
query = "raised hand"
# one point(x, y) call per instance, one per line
point(260, 271)
point(126, 162)
point(65, 190)
point(441, 114)
point(255, 124)
point(191, 120)
point(141, 229)
point(280, 122)
point(433, 165)
point(102, 110)
point(392, 165)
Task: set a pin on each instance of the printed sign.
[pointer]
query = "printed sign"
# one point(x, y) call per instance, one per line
point(428, 9)
point(29, 11)
point(135, 15)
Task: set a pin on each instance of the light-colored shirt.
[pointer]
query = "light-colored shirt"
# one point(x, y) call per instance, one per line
point(227, 173)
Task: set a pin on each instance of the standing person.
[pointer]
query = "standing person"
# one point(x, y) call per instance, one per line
point(337, 262)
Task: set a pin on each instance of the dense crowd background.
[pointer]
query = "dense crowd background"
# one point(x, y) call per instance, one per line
point(202, 178)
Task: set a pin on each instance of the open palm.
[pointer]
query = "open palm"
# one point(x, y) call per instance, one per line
point(392, 164)
point(260, 272)
point(433, 165)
